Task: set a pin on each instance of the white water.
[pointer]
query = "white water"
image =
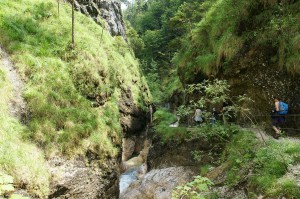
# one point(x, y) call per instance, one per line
point(127, 178)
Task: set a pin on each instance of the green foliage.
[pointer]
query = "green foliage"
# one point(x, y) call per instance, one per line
point(162, 120)
point(197, 189)
point(136, 43)
point(214, 133)
point(240, 153)
point(72, 94)
point(205, 169)
point(161, 26)
point(268, 165)
point(285, 187)
point(214, 93)
point(230, 28)
point(7, 187)
point(262, 167)
point(184, 110)
point(211, 93)
point(271, 163)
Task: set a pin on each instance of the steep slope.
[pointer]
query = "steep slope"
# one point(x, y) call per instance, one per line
point(79, 101)
point(16, 154)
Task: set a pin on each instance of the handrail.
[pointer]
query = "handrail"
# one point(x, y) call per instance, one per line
point(278, 115)
point(290, 129)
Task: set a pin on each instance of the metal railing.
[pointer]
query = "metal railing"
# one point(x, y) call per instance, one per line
point(291, 123)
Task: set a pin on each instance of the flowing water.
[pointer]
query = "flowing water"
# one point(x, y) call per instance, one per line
point(127, 178)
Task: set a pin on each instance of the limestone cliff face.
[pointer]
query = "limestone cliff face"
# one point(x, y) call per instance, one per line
point(109, 10)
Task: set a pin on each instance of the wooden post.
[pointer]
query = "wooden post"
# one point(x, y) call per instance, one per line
point(73, 25)
point(58, 8)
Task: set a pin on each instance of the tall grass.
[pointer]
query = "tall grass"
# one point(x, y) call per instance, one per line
point(18, 158)
point(63, 85)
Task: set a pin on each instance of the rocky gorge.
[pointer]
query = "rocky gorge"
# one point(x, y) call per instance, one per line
point(87, 111)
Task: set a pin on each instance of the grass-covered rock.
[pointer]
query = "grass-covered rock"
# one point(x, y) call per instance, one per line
point(72, 94)
point(22, 160)
point(64, 84)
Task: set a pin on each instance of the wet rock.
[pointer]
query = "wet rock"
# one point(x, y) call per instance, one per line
point(158, 183)
point(133, 119)
point(127, 178)
point(138, 160)
point(76, 179)
point(128, 146)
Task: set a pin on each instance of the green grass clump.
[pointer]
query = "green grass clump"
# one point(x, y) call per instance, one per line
point(162, 120)
point(268, 164)
point(72, 94)
point(285, 187)
point(18, 158)
point(239, 153)
point(271, 164)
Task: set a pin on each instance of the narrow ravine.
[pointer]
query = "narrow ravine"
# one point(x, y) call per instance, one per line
point(134, 160)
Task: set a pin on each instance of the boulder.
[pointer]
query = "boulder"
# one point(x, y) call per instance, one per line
point(77, 179)
point(158, 183)
point(128, 147)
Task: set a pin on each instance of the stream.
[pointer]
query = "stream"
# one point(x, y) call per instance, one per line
point(127, 178)
point(134, 167)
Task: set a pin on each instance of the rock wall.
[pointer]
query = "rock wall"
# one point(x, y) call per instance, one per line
point(133, 119)
point(79, 179)
point(252, 72)
point(171, 164)
point(109, 10)
point(259, 78)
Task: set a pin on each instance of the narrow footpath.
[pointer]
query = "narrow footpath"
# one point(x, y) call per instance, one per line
point(17, 104)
